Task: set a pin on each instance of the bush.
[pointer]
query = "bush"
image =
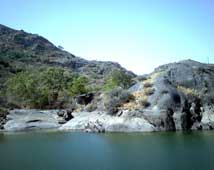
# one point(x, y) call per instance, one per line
point(22, 87)
point(190, 92)
point(115, 98)
point(118, 78)
point(45, 87)
point(79, 86)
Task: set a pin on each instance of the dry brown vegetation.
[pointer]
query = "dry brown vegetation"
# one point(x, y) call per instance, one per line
point(188, 91)
point(141, 97)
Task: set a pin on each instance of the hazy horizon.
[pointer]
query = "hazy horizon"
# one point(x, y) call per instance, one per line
point(140, 35)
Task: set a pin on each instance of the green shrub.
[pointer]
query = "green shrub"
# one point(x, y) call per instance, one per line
point(22, 87)
point(115, 98)
point(118, 78)
point(79, 86)
point(44, 87)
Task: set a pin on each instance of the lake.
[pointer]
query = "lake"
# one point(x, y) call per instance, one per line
point(110, 151)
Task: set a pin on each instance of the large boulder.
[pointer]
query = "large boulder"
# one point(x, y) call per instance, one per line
point(65, 115)
point(19, 120)
point(102, 122)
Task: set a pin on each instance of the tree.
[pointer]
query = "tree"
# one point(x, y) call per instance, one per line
point(115, 98)
point(37, 88)
point(79, 86)
point(54, 81)
point(22, 87)
point(44, 87)
point(118, 78)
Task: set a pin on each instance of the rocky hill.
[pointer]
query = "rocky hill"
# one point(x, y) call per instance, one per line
point(20, 51)
point(179, 96)
point(18, 48)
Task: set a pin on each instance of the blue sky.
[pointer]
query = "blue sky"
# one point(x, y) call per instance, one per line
point(139, 34)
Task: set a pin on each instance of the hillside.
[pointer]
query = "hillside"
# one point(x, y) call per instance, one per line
point(18, 48)
point(21, 51)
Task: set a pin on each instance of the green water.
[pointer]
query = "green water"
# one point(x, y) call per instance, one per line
point(84, 151)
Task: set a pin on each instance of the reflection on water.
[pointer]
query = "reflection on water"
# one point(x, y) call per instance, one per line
point(78, 151)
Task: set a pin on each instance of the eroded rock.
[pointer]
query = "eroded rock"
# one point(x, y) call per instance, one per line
point(101, 121)
point(31, 119)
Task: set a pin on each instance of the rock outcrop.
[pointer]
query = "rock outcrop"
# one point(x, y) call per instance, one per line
point(64, 116)
point(102, 122)
point(180, 96)
point(19, 120)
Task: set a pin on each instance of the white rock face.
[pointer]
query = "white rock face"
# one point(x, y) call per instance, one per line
point(31, 119)
point(82, 121)
point(98, 121)
point(207, 117)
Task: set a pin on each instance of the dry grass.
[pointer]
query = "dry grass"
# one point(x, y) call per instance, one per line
point(149, 91)
point(151, 79)
point(155, 75)
point(147, 83)
point(129, 106)
point(140, 100)
point(188, 91)
point(141, 97)
point(143, 102)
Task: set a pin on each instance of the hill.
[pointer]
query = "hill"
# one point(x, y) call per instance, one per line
point(21, 51)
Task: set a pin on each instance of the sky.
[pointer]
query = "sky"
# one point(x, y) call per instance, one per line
point(139, 34)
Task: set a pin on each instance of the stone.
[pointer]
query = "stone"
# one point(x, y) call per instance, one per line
point(68, 116)
point(65, 115)
point(21, 120)
point(101, 121)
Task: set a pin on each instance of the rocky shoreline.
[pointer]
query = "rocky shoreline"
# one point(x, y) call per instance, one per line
point(24, 120)
point(98, 122)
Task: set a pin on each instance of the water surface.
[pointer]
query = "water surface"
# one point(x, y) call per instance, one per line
point(112, 151)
